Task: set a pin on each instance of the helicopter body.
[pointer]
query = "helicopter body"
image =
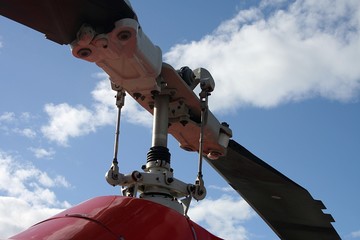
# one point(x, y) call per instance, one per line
point(114, 218)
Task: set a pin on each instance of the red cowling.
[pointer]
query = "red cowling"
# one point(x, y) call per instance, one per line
point(116, 218)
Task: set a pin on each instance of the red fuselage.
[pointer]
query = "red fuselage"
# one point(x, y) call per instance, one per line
point(116, 218)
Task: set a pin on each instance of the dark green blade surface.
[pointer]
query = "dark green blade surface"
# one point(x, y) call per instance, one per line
point(60, 20)
point(287, 208)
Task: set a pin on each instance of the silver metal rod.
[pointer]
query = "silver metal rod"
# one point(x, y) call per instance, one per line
point(161, 120)
point(203, 118)
point(117, 133)
point(120, 100)
point(201, 141)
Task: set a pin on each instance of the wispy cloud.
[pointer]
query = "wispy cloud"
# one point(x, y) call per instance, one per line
point(11, 122)
point(355, 234)
point(223, 216)
point(26, 132)
point(266, 56)
point(222, 189)
point(7, 117)
point(42, 152)
point(106, 109)
point(26, 192)
point(66, 121)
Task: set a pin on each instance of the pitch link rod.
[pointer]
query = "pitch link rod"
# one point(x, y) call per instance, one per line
point(120, 100)
point(199, 192)
point(207, 85)
point(204, 107)
point(112, 175)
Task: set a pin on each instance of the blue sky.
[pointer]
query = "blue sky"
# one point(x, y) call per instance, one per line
point(287, 81)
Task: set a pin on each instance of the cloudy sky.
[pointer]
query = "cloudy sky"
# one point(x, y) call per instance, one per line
point(287, 81)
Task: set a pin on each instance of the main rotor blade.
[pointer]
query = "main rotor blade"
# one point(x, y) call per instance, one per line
point(285, 206)
point(60, 20)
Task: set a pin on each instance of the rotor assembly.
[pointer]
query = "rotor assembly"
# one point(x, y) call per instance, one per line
point(134, 65)
point(157, 182)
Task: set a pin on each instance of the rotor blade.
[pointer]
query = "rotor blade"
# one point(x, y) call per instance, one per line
point(60, 20)
point(285, 206)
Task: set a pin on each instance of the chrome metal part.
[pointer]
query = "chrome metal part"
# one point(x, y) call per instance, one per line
point(120, 100)
point(134, 65)
point(207, 82)
point(161, 120)
point(113, 175)
point(198, 190)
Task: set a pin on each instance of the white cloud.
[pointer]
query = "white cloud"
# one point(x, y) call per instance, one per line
point(135, 114)
point(25, 181)
point(106, 109)
point(42, 152)
point(222, 189)
point(7, 117)
point(26, 193)
point(26, 132)
point(264, 59)
point(25, 116)
point(10, 122)
point(12, 209)
point(355, 234)
point(61, 181)
point(66, 121)
point(12, 117)
point(223, 217)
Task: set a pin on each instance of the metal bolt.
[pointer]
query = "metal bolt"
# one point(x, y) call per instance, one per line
point(136, 175)
point(214, 155)
point(84, 52)
point(184, 122)
point(124, 35)
point(225, 124)
point(137, 95)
